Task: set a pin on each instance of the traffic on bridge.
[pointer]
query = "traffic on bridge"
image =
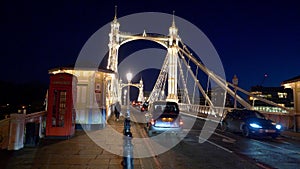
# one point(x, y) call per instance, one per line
point(192, 118)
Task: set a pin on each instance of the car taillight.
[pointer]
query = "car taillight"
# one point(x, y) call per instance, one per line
point(152, 121)
point(181, 122)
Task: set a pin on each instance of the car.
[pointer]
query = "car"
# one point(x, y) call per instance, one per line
point(250, 123)
point(144, 106)
point(136, 103)
point(164, 116)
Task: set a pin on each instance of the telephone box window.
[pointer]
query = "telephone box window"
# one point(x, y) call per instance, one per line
point(59, 108)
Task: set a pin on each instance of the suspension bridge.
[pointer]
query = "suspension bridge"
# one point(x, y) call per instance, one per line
point(181, 76)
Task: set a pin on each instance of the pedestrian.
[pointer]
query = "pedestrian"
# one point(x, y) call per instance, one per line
point(117, 111)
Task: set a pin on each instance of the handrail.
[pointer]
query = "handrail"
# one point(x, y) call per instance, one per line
point(36, 114)
point(216, 111)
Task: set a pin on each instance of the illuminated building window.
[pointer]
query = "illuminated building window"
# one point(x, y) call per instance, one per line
point(282, 95)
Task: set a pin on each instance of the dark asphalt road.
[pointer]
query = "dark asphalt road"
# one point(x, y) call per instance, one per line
point(229, 150)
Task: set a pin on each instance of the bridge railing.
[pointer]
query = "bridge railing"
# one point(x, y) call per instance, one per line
point(35, 116)
point(12, 129)
point(285, 119)
point(204, 110)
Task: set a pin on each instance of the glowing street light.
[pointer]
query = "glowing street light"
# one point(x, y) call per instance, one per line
point(129, 77)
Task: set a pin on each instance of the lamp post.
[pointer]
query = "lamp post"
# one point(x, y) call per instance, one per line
point(127, 116)
point(129, 77)
point(127, 146)
point(124, 97)
point(235, 82)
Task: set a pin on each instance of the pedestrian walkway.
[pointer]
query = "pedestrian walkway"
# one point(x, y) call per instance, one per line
point(77, 152)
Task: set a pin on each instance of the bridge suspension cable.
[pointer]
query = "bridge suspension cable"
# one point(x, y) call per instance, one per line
point(159, 86)
point(196, 80)
point(185, 92)
point(224, 84)
point(194, 90)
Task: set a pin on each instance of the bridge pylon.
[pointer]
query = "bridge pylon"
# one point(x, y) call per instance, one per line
point(113, 45)
point(173, 59)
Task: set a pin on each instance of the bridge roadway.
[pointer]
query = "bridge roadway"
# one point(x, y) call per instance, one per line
point(221, 150)
point(229, 150)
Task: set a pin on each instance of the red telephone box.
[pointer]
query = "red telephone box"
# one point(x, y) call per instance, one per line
point(61, 113)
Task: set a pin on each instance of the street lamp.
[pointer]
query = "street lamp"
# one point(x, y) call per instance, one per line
point(129, 77)
point(235, 82)
point(127, 145)
point(127, 116)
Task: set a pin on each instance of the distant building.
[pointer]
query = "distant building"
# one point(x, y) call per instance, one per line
point(294, 84)
point(279, 95)
point(216, 96)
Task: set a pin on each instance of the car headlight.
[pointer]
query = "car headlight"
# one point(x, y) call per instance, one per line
point(278, 126)
point(254, 125)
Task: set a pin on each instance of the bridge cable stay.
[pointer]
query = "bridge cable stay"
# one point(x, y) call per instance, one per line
point(163, 82)
point(213, 77)
point(197, 82)
point(184, 82)
point(197, 69)
point(207, 85)
point(195, 85)
point(249, 94)
point(255, 96)
point(154, 95)
point(163, 96)
point(186, 75)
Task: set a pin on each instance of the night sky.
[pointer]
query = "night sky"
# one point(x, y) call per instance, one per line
point(251, 38)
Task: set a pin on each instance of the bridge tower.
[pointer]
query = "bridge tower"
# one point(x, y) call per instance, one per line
point(173, 56)
point(140, 86)
point(141, 91)
point(114, 44)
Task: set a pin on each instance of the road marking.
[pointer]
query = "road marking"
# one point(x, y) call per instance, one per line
point(148, 145)
point(221, 147)
point(225, 138)
point(262, 166)
point(297, 152)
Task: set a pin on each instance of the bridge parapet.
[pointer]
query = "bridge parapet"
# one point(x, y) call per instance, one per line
point(204, 110)
point(12, 129)
point(285, 119)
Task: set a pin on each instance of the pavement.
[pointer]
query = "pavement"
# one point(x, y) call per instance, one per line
point(80, 151)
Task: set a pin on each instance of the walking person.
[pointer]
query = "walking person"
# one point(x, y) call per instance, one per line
point(117, 111)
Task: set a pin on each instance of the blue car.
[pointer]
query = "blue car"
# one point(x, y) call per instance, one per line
point(250, 123)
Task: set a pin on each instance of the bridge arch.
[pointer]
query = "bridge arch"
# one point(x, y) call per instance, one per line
point(170, 42)
point(148, 38)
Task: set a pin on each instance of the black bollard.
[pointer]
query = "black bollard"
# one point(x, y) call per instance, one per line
point(127, 146)
point(128, 151)
point(126, 126)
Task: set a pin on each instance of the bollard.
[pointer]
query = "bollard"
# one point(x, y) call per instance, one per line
point(128, 151)
point(126, 126)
